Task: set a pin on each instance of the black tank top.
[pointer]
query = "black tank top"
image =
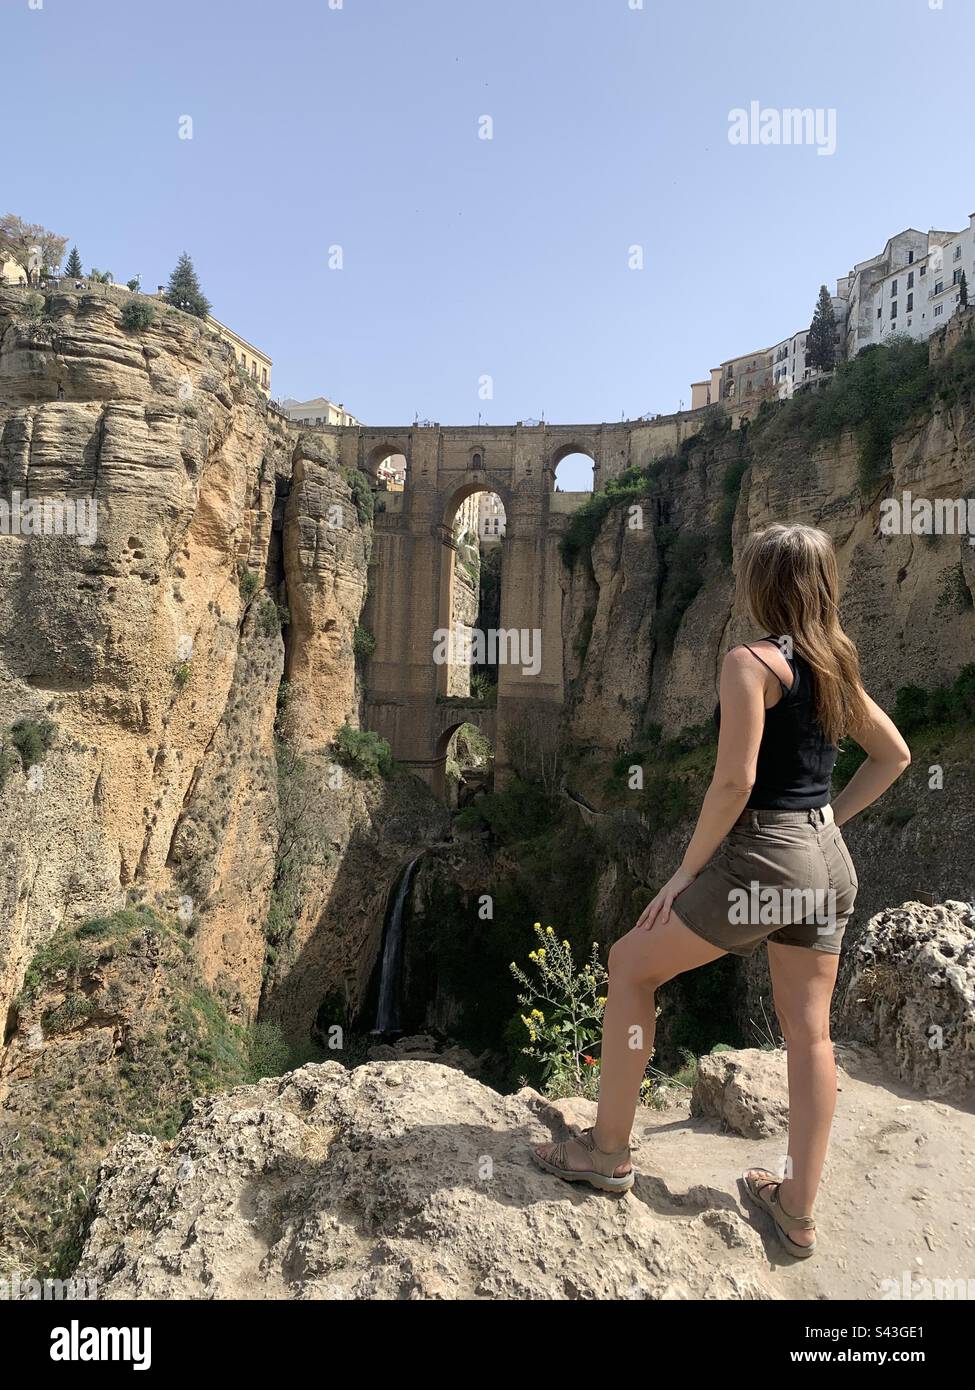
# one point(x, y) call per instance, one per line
point(795, 758)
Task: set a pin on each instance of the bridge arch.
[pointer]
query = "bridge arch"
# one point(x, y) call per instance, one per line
point(582, 467)
point(387, 449)
point(409, 599)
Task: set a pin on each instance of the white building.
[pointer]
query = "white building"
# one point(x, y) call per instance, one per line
point(791, 367)
point(319, 411)
point(911, 287)
point(490, 518)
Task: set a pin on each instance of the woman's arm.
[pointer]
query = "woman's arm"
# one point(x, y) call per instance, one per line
point(887, 757)
point(744, 683)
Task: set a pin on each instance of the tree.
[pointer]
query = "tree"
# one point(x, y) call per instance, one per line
point(73, 266)
point(184, 291)
point(32, 246)
point(963, 288)
point(821, 343)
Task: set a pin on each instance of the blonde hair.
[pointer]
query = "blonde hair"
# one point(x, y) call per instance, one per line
point(788, 580)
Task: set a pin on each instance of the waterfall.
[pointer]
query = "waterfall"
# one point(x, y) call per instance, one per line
point(387, 1013)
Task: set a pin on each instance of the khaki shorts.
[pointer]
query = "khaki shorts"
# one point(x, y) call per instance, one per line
point(783, 876)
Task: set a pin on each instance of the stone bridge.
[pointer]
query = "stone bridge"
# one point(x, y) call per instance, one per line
point(412, 567)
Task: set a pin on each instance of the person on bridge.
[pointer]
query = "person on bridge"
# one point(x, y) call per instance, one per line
point(766, 862)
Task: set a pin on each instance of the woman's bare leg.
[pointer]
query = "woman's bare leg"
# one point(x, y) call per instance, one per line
point(639, 963)
point(802, 986)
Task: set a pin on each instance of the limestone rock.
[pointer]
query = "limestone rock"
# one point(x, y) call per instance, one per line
point(746, 1091)
point(910, 992)
point(398, 1180)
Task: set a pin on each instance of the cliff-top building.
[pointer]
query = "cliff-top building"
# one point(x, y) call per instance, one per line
point(912, 287)
point(250, 359)
point(319, 411)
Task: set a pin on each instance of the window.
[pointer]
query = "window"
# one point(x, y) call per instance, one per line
point(938, 286)
point(893, 309)
point(475, 460)
point(879, 313)
point(957, 253)
point(893, 290)
point(910, 303)
point(956, 278)
point(243, 360)
point(254, 369)
point(910, 258)
point(910, 280)
point(938, 310)
point(924, 271)
point(264, 376)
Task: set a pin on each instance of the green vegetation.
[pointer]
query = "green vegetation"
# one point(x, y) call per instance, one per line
point(180, 1045)
point(563, 1035)
point(468, 748)
point(874, 395)
point(584, 524)
point(33, 304)
point(821, 339)
point(73, 264)
point(303, 843)
point(249, 581)
point(272, 617)
point(184, 292)
point(683, 555)
point(731, 484)
point(521, 812)
point(138, 314)
point(181, 674)
point(916, 708)
point(32, 739)
point(674, 774)
point(362, 496)
point(363, 643)
point(363, 752)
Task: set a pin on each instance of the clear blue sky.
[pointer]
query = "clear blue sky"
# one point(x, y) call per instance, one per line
point(464, 257)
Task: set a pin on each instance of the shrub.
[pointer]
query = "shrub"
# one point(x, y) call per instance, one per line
point(182, 674)
point(273, 616)
point(361, 494)
point(363, 752)
point(249, 582)
point(917, 708)
point(363, 643)
point(138, 315)
point(521, 812)
point(32, 739)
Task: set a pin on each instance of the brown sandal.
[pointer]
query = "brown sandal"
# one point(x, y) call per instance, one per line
point(768, 1200)
point(600, 1175)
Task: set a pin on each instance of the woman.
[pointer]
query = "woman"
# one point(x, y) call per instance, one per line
point(766, 862)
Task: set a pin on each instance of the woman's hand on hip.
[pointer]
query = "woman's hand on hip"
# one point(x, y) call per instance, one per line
point(659, 909)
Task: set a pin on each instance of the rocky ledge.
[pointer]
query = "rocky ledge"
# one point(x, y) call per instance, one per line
point(411, 1180)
